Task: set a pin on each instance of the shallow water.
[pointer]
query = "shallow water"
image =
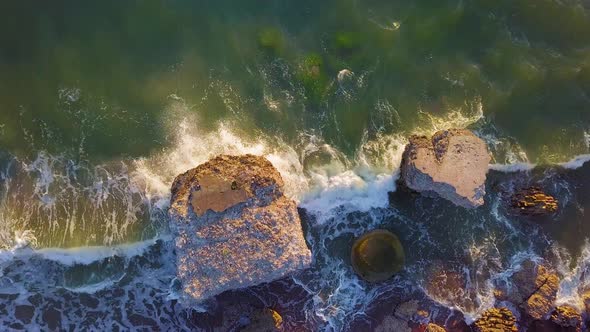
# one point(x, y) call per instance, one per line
point(102, 104)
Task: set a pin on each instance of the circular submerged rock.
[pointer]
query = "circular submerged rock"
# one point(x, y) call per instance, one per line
point(377, 255)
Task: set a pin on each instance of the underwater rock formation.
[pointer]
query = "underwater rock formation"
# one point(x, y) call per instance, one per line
point(533, 202)
point(452, 164)
point(496, 320)
point(234, 227)
point(377, 255)
point(534, 289)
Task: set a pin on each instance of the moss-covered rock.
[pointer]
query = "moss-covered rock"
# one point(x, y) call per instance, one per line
point(346, 41)
point(377, 255)
point(311, 74)
point(272, 40)
point(584, 78)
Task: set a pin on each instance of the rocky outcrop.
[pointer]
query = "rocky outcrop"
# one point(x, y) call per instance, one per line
point(434, 328)
point(496, 320)
point(234, 227)
point(568, 318)
point(533, 202)
point(452, 164)
point(447, 283)
point(534, 288)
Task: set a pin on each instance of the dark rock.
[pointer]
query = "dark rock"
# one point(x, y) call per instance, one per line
point(377, 255)
point(234, 227)
point(139, 320)
point(452, 164)
point(496, 320)
point(52, 318)
point(533, 202)
point(246, 318)
point(88, 301)
point(24, 313)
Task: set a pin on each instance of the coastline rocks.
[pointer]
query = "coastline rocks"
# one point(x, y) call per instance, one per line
point(448, 284)
point(568, 318)
point(434, 328)
point(234, 227)
point(377, 255)
point(246, 318)
point(534, 289)
point(496, 320)
point(533, 202)
point(452, 164)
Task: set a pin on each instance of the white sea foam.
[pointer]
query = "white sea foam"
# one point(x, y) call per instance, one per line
point(574, 281)
point(88, 255)
point(512, 168)
point(81, 255)
point(576, 162)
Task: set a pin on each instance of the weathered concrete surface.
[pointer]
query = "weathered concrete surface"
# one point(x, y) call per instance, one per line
point(452, 164)
point(234, 227)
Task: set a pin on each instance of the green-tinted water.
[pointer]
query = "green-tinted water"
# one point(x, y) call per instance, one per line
point(102, 103)
point(248, 62)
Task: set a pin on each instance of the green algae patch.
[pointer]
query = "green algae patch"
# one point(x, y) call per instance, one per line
point(311, 74)
point(272, 40)
point(377, 255)
point(347, 41)
point(584, 78)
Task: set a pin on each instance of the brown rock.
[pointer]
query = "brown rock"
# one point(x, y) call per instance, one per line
point(434, 328)
point(234, 227)
point(534, 289)
point(586, 299)
point(452, 164)
point(447, 283)
point(533, 202)
point(568, 318)
point(496, 320)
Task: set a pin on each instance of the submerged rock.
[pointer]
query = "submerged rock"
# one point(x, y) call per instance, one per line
point(496, 320)
point(533, 202)
point(392, 323)
point(245, 318)
point(452, 164)
point(534, 289)
point(234, 227)
point(377, 255)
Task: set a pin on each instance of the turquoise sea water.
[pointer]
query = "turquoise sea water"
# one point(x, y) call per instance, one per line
point(103, 103)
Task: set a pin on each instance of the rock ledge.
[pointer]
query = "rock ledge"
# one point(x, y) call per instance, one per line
point(234, 227)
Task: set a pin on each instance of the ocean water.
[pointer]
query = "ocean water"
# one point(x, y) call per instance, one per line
point(103, 104)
